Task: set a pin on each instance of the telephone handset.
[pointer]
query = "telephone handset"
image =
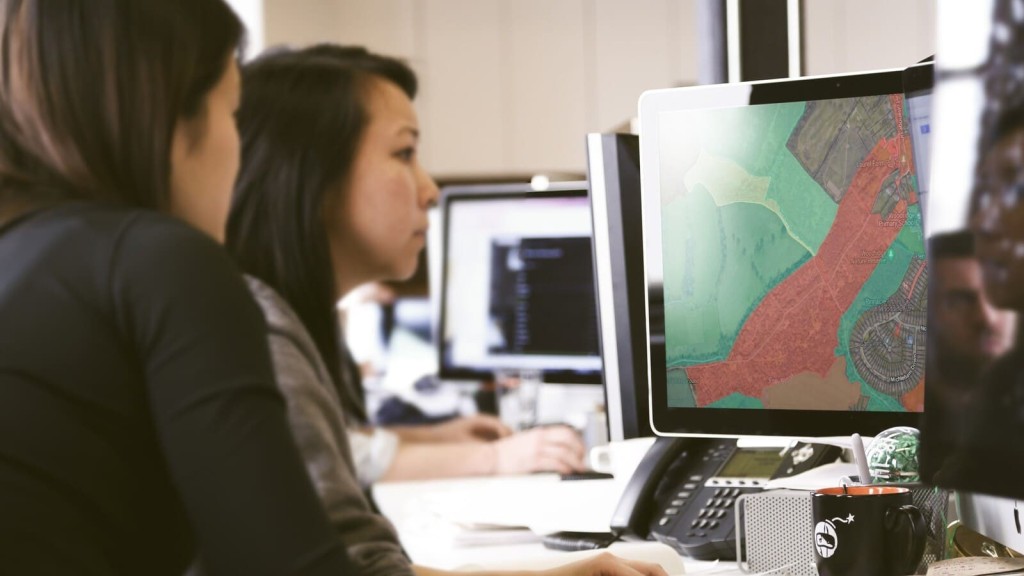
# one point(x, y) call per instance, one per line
point(684, 489)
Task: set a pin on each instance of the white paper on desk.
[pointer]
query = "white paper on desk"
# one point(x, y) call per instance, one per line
point(493, 536)
point(543, 505)
point(654, 552)
point(824, 476)
point(976, 566)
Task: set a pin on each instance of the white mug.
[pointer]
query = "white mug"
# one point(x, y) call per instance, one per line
point(619, 459)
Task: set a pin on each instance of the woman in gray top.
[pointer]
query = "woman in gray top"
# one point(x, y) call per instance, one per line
point(331, 195)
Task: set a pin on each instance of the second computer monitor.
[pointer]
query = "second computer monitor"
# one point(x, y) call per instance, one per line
point(613, 162)
point(517, 283)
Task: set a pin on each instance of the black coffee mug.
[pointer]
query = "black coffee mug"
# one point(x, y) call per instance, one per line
point(867, 531)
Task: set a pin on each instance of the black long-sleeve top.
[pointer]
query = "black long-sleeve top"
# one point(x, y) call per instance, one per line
point(139, 421)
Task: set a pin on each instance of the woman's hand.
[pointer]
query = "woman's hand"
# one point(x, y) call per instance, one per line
point(542, 449)
point(470, 428)
point(606, 564)
point(478, 428)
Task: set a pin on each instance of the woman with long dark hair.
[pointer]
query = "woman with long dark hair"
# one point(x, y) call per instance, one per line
point(140, 426)
point(331, 194)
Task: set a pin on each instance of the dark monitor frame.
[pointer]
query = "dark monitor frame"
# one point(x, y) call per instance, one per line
point(498, 191)
point(740, 422)
point(613, 162)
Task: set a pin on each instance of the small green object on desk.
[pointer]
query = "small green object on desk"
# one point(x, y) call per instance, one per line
point(892, 456)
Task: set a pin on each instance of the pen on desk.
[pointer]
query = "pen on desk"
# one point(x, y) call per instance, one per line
point(861, 459)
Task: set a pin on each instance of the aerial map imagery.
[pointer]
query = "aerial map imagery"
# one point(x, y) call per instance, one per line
point(793, 257)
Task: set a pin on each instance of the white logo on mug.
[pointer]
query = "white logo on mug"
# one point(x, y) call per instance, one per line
point(825, 539)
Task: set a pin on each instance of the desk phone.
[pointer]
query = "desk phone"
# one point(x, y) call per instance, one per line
point(683, 491)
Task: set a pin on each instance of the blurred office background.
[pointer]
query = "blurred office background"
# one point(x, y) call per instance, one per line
point(511, 86)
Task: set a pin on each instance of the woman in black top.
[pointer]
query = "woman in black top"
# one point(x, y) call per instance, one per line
point(139, 422)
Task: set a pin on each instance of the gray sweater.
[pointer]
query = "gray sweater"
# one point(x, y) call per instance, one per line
point(317, 420)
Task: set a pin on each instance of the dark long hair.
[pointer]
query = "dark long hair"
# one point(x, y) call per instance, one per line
point(91, 91)
point(302, 116)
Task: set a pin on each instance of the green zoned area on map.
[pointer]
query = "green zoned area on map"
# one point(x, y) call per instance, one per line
point(801, 202)
point(747, 251)
point(737, 400)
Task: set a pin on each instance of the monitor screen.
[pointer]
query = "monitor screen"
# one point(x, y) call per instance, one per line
point(613, 162)
point(518, 283)
point(918, 84)
point(785, 257)
point(972, 438)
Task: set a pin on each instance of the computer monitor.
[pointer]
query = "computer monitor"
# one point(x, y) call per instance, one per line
point(973, 435)
point(613, 162)
point(785, 258)
point(517, 286)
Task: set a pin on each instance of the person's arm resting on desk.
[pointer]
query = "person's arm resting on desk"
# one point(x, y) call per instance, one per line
point(468, 428)
point(602, 565)
point(380, 454)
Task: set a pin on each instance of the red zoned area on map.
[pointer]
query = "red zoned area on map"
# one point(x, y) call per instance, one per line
point(794, 329)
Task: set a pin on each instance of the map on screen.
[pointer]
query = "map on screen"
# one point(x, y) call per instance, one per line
point(793, 255)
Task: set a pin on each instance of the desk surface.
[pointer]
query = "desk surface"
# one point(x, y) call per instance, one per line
point(432, 538)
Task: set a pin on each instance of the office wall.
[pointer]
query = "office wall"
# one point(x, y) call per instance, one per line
point(512, 86)
point(855, 35)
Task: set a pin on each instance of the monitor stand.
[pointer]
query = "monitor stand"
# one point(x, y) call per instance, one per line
point(999, 519)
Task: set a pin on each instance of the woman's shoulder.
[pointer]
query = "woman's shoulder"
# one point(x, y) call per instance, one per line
point(278, 313)
point(291, 345)
point(112, 240)
point(124, 229)
point(282, 320)
point(139, 225)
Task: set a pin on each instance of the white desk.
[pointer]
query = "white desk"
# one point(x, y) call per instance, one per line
point(432, 540)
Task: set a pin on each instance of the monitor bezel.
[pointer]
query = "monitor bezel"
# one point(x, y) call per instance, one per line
point(695, 421)
point(484, 191)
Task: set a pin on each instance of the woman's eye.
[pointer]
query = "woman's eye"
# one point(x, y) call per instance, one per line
point(406, 154)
